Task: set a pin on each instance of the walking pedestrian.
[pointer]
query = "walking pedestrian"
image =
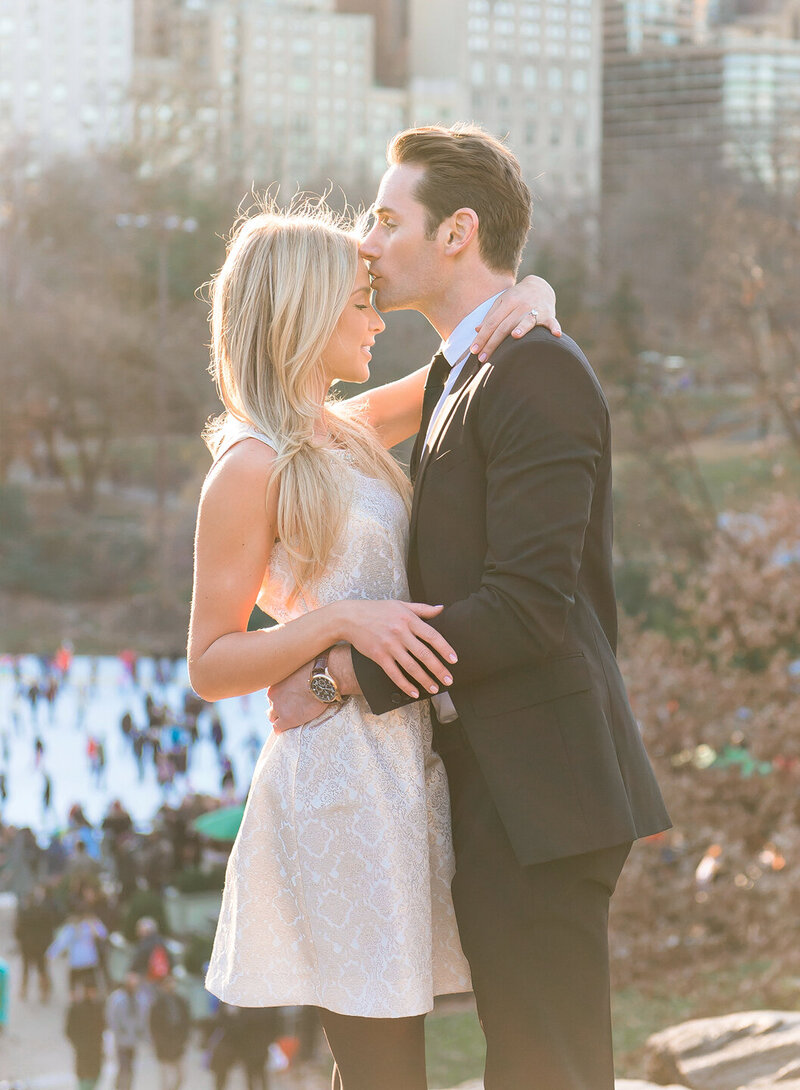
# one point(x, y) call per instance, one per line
point(34, 928)
point(170, 1024)
point(217, 732)
point(126, 1012)
point(151, 960)
point(84, 1027)
point(81, 938)
point(256, 1029)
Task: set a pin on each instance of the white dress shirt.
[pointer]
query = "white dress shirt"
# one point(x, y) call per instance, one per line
point(456, 351)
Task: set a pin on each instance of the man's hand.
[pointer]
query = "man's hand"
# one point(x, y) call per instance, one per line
point(291, 701)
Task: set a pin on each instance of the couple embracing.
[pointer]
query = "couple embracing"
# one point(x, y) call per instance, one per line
point(454, 776)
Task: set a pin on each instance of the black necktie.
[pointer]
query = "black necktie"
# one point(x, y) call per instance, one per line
point(434, 385)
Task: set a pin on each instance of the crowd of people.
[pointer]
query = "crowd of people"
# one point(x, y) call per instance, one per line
point(160, 723)
point(83, 900)
point(90, 885)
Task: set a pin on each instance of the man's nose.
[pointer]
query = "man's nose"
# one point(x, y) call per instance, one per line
point(368, 248)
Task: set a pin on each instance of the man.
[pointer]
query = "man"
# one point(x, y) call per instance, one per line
point(151, 959)
point(511, 530)
point(84, 1027)
point(34, 928)
point(170, 1024)
point(82, 937)
point(126, 1013)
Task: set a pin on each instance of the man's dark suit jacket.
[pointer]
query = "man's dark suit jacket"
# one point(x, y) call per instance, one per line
point(511, 529)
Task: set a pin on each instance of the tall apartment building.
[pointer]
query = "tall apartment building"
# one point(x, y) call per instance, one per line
point(298, 102)
point(391, 36)
point(719, 90)
point(265, 91)
point(177, 117)
point(65, 76)
point(527, 71)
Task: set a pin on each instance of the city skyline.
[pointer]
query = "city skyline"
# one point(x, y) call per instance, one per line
point(302, 94)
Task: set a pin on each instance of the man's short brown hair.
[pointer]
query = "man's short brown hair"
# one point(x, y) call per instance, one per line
point(466, 167)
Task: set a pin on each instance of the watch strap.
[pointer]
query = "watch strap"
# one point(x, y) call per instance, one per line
point(328, 684)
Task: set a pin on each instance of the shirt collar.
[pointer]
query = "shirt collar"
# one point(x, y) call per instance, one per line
point(461, 339)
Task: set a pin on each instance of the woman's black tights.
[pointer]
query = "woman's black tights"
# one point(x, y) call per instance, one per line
point(376, 1053)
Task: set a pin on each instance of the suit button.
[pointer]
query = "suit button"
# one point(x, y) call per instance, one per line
point(397, 698)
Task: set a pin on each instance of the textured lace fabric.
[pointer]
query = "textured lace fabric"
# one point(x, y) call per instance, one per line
point(337, 891)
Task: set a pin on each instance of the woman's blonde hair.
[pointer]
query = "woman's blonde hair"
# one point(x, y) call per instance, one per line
point(275, 302)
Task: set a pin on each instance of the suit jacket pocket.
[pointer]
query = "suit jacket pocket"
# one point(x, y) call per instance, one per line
point(550, 680)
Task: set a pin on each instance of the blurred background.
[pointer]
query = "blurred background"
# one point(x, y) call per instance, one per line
point(662, 141)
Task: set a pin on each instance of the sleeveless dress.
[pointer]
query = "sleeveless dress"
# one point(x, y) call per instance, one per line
point(337, 891)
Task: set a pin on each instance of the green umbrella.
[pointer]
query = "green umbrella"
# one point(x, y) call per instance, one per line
point(222, 824)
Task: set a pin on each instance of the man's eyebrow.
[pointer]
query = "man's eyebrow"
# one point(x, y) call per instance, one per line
point(381, 210)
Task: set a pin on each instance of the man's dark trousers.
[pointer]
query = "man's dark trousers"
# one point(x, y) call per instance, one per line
point(537, 941)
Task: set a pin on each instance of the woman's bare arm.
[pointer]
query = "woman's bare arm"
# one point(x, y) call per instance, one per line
point(394, 409)
point(236, 528)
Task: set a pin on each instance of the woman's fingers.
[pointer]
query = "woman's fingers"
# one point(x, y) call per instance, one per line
point(415, 656)
point(435, 640)
point(494, 328)
point(422, 609)
point(412, 653)
point(549, 321)
point(409, 664)
point(512, 322)
point(531, 302)
point(395, 674)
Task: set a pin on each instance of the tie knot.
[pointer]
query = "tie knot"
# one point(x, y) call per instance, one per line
point(439, 371)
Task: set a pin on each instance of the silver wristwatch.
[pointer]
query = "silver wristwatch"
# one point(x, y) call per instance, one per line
point(322, 684)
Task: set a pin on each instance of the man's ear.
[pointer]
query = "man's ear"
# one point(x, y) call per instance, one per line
point(459, 230)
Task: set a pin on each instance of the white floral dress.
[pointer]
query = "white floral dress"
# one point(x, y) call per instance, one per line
point(337, 891)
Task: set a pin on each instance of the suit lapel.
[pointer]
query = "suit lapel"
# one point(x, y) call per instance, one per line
point(471, 366)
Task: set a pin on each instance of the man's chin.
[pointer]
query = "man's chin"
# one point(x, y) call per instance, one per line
point(385, 301)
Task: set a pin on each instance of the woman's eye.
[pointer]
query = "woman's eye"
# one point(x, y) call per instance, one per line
point(362, 306)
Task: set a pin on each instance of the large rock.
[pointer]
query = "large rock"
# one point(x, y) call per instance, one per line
point(621, 1084)
point(637, 1084)
point(750, 1050)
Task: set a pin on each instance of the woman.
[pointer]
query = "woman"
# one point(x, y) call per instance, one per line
point(338, 886)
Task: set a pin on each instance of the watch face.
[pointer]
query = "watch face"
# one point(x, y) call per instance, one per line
point(323, 689)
